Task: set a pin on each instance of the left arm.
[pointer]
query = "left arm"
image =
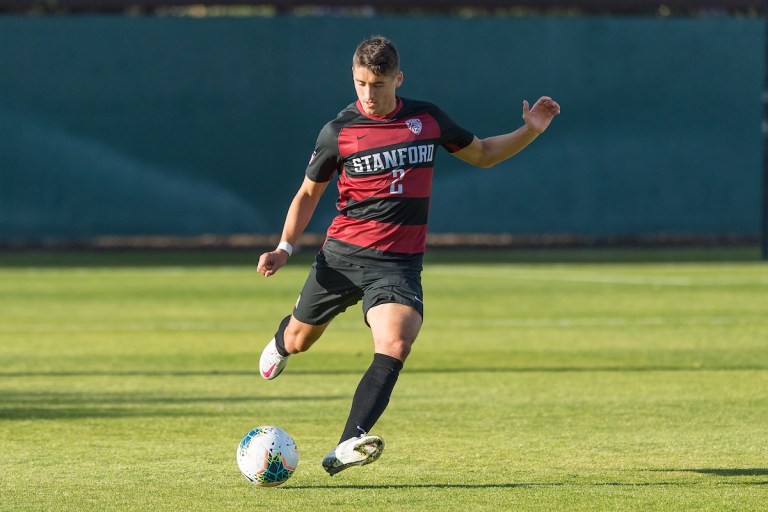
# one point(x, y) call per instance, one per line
point(492, 150)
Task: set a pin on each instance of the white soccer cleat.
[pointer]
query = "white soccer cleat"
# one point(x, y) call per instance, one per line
point(271, 362)
point(357, 451)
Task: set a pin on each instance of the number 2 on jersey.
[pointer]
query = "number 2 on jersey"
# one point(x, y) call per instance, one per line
point(397, 187)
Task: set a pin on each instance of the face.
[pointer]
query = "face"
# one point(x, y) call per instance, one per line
point(376, 92)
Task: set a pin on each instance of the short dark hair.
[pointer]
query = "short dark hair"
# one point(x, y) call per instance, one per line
point(378, 54)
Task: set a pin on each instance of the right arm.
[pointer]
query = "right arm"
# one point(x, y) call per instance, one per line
point(296, 221)
point(489, 152)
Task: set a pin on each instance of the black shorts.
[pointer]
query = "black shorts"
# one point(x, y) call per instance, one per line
point(334, 284)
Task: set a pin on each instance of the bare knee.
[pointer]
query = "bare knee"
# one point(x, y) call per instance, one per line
point(394, 328)
point(397, 347)
point(296, 341)
point(299, 337)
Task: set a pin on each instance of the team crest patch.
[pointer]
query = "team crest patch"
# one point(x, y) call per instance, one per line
point(414, 125)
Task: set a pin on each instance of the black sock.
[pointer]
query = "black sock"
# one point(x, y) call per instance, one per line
point(372, 395)
point(279, 341)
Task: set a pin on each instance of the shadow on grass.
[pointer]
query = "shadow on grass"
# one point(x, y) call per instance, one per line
point(724, 472)
point(425, 486)
point(61, 406)
point(521, 485)
point(129, 373)
point(719, 471)
point(732, 472)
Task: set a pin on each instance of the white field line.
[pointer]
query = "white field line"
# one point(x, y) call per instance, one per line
point(601, 322)
point(451, 323)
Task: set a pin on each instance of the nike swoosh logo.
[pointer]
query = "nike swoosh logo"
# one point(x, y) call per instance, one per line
point(418, 299)
point(361, 136)
point(268, 373)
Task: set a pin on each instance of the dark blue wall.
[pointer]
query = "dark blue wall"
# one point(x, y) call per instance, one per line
point(147, 126)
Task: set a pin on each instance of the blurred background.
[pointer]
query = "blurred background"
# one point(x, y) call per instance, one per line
point(146, 122)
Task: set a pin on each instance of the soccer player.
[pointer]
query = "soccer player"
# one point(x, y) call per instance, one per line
point(383, 149)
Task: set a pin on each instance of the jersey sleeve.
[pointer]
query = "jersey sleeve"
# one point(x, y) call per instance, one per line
point(325, 158)
point(452, 136)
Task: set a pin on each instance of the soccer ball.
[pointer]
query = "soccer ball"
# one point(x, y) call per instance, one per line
point(267, 456)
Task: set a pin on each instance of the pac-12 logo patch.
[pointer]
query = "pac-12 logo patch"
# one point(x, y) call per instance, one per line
point(414, 125)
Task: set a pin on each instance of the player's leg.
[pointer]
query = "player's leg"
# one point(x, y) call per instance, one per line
point(394, 328)
point(394, 310)
point(328, 291)
point(292, 337)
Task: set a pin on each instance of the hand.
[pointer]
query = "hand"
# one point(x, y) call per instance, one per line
point(537, 119)
point(271, 262)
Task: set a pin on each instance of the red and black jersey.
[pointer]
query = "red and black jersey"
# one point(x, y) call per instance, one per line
point(385, 167)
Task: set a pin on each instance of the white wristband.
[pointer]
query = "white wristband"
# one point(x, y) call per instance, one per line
point(286, 247)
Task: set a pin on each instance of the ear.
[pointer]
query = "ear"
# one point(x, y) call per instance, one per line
point(399, 79)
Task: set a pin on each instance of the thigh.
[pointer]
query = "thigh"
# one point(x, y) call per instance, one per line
point(394, 328)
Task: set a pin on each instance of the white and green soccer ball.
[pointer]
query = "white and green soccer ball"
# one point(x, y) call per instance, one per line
point(267, 456)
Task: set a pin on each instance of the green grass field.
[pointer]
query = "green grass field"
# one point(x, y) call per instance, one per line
point(126, 383)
